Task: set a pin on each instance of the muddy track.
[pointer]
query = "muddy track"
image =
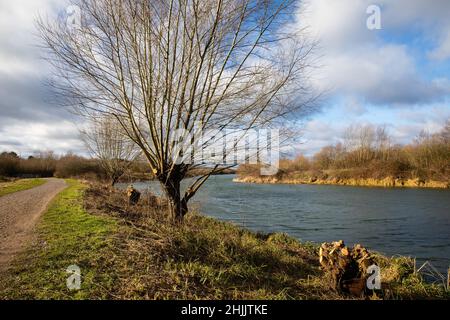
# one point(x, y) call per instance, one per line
point(19, 213)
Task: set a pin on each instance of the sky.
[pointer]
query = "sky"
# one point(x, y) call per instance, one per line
point(397, 76)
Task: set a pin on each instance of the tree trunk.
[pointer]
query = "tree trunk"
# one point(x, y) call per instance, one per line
point(115, 177)
point(177, 205)
point(114, 181)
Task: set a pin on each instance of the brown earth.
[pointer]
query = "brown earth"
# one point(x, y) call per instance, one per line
point(361, 182)
point(19, 213)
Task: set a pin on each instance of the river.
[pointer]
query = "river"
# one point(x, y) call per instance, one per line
point(412, 222)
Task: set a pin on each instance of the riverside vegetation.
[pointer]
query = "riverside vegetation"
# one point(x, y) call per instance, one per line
point(69, 165)
point(367, 157)
point(137, 252)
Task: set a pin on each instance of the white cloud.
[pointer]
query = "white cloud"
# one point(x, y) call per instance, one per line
point(369, 71)
point(26, 138)
point(403, 123)
point(442, 52)
point(357, 63)
point(338, 24)
point(430, 17)
point(356, 60)
point(18, 36)
point(30, 119)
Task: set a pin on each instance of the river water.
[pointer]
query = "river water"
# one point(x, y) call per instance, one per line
point(409, 221)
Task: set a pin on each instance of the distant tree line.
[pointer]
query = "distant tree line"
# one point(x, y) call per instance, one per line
point(48, 164)
point(368, 151)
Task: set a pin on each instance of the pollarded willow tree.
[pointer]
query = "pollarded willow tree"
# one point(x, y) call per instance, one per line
point(105, 139)
point(161, 67)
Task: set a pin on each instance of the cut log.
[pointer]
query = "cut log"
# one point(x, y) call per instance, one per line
point(344, 251)
point(133, 195)
point(347, 269)
point(354, 286)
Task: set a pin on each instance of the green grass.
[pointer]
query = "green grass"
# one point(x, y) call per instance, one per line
point(67, 235)
point(19, 185)
point(209, 259)
point(136, 253)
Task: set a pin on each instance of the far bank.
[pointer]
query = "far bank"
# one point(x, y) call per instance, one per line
point(389, 182)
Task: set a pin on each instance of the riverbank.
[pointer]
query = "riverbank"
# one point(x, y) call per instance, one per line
point(135, 253)
point(362, 182)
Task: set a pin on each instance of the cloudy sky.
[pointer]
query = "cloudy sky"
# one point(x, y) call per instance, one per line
point(398, 76)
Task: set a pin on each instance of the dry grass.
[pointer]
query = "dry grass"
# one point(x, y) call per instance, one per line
point(204, 258)
point(208, 259)
point(135, 252)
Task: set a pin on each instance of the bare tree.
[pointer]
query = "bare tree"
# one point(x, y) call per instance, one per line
point(445, 133)
point(361, 140)
point(107, 142)
point(162, 67)
point(383, 142)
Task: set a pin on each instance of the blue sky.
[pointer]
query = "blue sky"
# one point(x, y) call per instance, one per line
point(398, 76)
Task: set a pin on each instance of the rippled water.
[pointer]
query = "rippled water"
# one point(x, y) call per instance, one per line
point(412, 222)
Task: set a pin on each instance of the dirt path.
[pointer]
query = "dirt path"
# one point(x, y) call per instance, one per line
point(19, 213)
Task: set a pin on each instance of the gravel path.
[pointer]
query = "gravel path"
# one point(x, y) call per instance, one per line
point(19, 213)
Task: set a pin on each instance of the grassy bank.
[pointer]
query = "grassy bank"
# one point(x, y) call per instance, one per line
point(66, 235)
point(136, 253)
point(324, 179)
point(19, 185)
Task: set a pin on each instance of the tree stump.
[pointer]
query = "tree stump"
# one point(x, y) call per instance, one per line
point(133, 195)
point(346, 268)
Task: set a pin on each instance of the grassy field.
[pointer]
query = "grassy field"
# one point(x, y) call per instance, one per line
point(19, 185)
point(136, 253)
point(67, 235)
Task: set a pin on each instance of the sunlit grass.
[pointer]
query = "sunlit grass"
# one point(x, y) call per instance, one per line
point(135, 252)
point(67, 235)
point(19, 185)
